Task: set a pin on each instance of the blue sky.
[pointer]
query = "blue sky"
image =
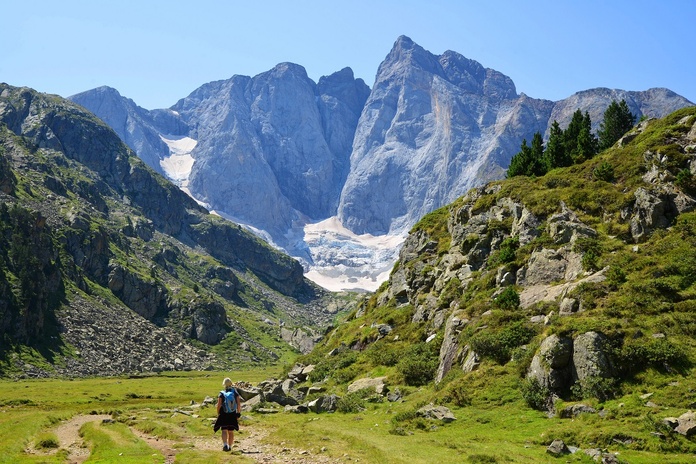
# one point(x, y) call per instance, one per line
point(156, 52)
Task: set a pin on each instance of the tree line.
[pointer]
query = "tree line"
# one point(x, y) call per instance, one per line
point(573, 145)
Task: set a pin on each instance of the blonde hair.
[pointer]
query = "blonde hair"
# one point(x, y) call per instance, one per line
point(227, 382)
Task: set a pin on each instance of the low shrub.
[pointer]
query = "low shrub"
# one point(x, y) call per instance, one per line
point(351, 403)
point(384, 354)
point(536, 395)
point(498, 345)
point(47, 441)
point(328, 367)
point(604, 171)
point(481, 459)
point(458, 394)
point(601, 388)
point(659, 353)
point(419, 363)
point(508, 299)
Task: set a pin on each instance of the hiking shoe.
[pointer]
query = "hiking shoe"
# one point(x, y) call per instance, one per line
point(225, 448)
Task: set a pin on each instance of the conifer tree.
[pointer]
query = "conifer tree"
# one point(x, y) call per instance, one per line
point(537, 166)
point(529, 161)
point(571, 133)
point(519, 162)
point(618, 120)
point(555, 155)
point(586, 143)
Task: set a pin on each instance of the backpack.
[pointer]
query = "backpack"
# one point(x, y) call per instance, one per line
point(229, 404)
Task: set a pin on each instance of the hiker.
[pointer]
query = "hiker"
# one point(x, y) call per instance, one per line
point(229, 408)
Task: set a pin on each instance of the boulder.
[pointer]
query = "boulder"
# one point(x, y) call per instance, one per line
point(547, 266)
point(394, 396)
point(471, 359)
point(376, 384)
point(557, 448)
point(248, 405)
point(297, 374)
point(650, 211)
point(591, 357)
point(436, 413)
point(568, 306)
point(550, 365)
point(575, 410)
point(324, 404)
point(299, 409)
point(565, 227)
point(687, 424)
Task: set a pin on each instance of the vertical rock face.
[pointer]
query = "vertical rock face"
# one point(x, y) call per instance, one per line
point(273, 148)
point(433, 127)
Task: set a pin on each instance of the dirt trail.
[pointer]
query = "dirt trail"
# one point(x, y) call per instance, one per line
point(69, 438)
point(248, 443)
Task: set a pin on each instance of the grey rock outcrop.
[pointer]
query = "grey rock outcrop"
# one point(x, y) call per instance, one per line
point(557, 448)
point(650, 212)
point(683, 425)
point(550, 364)
point(591, 357)
point(299, 339)
point(376, 384)
point(326, 403)
point(450, 350)
point(436, 413)
point(142, 296)
point(575, 410)
point(561, 362)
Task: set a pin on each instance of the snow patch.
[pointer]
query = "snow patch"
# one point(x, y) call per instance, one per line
point(177, 166)
point(344, 261)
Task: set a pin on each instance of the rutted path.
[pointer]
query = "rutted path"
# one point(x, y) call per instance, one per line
point(248, 443)
point(68, 434)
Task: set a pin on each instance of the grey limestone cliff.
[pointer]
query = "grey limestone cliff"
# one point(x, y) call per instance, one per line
point(435, 126)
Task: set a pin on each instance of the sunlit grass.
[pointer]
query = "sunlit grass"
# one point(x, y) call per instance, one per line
point(496, 426)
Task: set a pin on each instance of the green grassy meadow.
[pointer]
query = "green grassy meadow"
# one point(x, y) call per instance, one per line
point(495, 427)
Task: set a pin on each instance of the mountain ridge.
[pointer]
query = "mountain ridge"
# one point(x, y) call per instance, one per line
point(432, 127)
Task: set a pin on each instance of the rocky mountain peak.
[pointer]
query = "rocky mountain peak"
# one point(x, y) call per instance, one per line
point(277, 151)
point(407, 56)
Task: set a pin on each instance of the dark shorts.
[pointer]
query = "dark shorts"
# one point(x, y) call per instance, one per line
point(227, 421)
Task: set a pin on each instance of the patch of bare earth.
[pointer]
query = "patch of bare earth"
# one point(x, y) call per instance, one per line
point(248, 443)
point(68, 434)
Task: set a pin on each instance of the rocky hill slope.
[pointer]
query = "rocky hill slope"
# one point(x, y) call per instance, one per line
point(106, 267)
point(278, 151)
point(573, 286)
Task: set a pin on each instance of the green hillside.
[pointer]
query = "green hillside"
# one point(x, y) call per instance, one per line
point(545, 292)
point(107, 268)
